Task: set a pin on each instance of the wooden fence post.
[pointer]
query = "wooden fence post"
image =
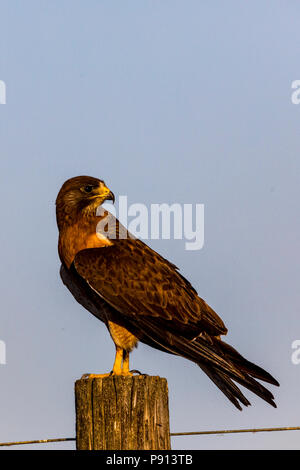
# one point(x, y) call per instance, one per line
point(122, 413)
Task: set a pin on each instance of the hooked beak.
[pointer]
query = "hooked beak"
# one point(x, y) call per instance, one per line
point(110, 197)
point(103, 193)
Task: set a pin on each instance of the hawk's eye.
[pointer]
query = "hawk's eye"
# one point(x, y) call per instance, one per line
point(88, 188)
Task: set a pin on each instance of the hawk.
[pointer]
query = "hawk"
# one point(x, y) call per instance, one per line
point(141, 296)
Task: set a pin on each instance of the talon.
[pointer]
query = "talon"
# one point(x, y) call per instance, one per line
point(122, 374)
point(85, 376)
point(134, 371)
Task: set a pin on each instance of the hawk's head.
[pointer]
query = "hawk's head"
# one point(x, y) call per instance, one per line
point(80, 196)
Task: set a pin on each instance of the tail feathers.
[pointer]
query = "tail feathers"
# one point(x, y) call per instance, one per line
point(233, 393)
point(222, 363)
point(227, 386)
point(245, 365)
point(249, 371)
point(207, 352)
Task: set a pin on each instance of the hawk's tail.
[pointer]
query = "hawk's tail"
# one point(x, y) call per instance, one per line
point(220, 361)
point(247, 373)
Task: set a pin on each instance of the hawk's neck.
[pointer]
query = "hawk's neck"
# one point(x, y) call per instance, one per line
point(78, 236)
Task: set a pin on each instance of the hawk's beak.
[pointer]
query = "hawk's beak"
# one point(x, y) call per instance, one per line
point(104, 194)
point(110, 197)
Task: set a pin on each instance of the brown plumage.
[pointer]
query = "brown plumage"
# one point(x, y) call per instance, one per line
point(141, 296)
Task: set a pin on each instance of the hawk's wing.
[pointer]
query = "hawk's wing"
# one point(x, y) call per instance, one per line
point(161, 308)
point(137, 281)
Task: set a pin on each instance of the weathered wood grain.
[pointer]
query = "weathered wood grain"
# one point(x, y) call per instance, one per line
point(122, 413)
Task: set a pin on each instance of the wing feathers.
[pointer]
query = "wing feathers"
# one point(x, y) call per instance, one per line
point(162, 309)
point(146, 283)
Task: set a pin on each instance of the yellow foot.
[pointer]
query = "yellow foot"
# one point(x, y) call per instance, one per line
point(127, 373)
point(120, 373)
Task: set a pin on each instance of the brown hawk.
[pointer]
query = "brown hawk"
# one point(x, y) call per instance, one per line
point(141, 296)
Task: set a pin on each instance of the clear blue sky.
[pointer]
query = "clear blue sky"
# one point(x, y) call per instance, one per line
point(167, 101)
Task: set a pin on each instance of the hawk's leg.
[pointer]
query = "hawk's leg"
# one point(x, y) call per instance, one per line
point(125, 369)
point(117, 368)
point(120, 367)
